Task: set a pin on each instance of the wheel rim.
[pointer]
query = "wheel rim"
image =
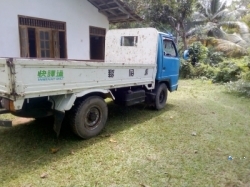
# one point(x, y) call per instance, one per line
point(162, 96)
point(92, 118)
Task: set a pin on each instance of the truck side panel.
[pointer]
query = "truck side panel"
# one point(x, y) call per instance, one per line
point(36, 78)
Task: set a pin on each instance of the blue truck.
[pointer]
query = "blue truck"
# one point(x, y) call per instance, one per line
point(140, 66)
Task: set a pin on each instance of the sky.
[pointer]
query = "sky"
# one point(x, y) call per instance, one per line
point(229, 2)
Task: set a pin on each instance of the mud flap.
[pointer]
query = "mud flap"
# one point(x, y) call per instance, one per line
point(59, 116)
point(5, 123)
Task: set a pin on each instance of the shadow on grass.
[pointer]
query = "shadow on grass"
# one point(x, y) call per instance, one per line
point(28, 146)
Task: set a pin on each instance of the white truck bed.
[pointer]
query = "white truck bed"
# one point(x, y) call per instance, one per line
point(36, 78)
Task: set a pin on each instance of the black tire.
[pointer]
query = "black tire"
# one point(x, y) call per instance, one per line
point(161, 96)
point(89, 117)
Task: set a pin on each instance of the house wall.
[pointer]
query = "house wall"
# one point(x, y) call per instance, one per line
point(78, 15)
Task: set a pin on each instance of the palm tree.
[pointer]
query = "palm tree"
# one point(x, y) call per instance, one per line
point(214, 19)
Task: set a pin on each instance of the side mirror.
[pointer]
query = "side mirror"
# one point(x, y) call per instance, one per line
point(186, 55)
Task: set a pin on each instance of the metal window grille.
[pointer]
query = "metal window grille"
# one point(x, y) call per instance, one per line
point(97, 31)
point(34, 22)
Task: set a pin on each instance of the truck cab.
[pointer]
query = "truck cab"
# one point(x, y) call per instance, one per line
point(168, 62)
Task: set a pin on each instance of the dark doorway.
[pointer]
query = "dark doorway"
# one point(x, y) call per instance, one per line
point(97, 45)
point(32, 42)
point(62, 44)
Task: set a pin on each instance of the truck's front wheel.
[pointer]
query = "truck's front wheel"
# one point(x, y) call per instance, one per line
point(161, 96)
point(89, 117)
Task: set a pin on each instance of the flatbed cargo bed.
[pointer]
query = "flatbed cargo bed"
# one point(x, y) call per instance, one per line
point(29, 78)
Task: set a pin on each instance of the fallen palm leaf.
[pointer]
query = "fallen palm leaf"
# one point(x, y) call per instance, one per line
point(113, 141)
point(44, 175)
point(54, 150)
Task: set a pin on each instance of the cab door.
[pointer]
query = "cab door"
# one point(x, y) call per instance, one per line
point(170, 63)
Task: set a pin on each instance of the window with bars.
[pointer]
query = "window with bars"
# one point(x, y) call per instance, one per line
point(36, 22)
point(97, 31)
point(40, 38)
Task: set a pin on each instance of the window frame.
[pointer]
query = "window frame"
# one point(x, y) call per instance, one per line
point(40, 24)
point(174, 47)
point(124, 44)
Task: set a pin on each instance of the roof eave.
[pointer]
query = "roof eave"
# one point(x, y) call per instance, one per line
point(116, 11)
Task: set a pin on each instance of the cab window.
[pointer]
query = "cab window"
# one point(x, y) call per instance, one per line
point(169, 48)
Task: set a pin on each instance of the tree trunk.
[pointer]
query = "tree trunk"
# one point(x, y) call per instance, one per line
point(184, 39)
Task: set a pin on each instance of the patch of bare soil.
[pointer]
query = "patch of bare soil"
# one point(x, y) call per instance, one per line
point(22, 121)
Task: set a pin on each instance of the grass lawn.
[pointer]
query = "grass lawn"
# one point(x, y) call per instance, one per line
point(185, 144)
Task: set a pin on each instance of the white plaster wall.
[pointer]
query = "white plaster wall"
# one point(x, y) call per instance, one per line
point(78, 15)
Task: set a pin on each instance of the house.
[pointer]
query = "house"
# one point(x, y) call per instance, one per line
point(67, 29)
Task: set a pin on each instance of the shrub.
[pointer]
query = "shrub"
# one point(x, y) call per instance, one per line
point(199, 70)
point(186, 69)
point(232, 70)
point(239, 86)
point(214, 57)
point(228, 71)
point(213, 65)
point(242, 85)
point(246, 76)
point(197, 53)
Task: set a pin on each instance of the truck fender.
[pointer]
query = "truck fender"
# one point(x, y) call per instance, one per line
point(65, 102)
point(61, 103)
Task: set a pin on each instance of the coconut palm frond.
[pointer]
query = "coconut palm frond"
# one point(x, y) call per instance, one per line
point(241, 26)
point(238, 13)
point(210, 29)
point(216, 32)
point(217, 6)
point(222, 15)
point(211, 41)
point(237, 39)
point(193, 31)
point(215, 19)
point(198, 17)
point(246, 37)
point(203, 7)
point(222, 5)
point(230, 48)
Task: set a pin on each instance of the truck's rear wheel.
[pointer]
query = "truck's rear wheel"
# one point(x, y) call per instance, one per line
point(161, 96)
point(89, 117)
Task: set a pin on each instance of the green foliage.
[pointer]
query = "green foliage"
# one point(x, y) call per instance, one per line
point(228, 71)
point(165, 15)
point(186, 70)
point(246, 76)
point(240, 86)
point(217, 68)
point(197, 52)
point(213, 57)
point(243, 84)
point(201, 70)
point(213, 18)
